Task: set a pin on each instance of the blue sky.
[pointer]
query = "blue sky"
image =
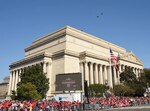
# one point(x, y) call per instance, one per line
point(123, 22)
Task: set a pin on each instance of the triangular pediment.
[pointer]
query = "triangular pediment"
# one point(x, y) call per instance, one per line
point(130, 56)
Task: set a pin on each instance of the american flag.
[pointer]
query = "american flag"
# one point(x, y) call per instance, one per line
point(113, 58)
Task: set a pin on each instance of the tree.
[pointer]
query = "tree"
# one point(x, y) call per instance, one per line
point(123, 90)
point(127, 76)
point(13, 95)
point(137, 86)
point(145, 77)
point(96, 89)
point(35, 75)
point(27, 91)
point(143, 82)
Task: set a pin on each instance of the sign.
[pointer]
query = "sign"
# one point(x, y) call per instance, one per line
point(68, 97)
point(68, 82)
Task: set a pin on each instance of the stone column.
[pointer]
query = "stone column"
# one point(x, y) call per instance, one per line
point(87, 72)
point(115, 78)
point(107, 69)
point(48, 75)
point(105, 74)
point(16, 80)
point(44, 67)
point(91, 73)
point(141, 71)
point(120, 70)
point(96, 74)
point(13, 81)
point(18, 75)
point(123, 67)
point(101, 74)
point(119, 74)
point(136, 72)
point(20, 71)
point(10, 83)
point(82, 72)
point(110, 80)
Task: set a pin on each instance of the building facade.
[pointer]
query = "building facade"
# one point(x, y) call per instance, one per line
point(4, 88)
point(69, 50)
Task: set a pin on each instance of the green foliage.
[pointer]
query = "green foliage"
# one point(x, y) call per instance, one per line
point(128, 77)
point(123, 90)
point(13, 95)
point(36, 76)
point(27, 91)
point(145, 77)
point(137, 86)
point(96, 90)
point(143, 82)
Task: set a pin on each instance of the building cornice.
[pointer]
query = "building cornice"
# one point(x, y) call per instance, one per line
point(40, 43)
point(4, 83)
point(79, 55)
point(42, 55)
point(88, 54)
point(57, 54)
point(131, 58)
point(67, 30)
point(30, 59)
point(65, 52)
point(93, 39)
point(132, 62)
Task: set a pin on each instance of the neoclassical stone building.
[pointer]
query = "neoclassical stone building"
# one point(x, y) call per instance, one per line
point(69, 50)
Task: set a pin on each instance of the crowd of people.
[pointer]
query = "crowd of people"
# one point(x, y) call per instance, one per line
point(90, 104)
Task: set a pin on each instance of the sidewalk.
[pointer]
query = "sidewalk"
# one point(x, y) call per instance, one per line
point(140, 108)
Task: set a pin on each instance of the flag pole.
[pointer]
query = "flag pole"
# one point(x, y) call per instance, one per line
point(110, 73)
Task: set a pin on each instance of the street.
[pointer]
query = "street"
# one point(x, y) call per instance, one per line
point(133, 108)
